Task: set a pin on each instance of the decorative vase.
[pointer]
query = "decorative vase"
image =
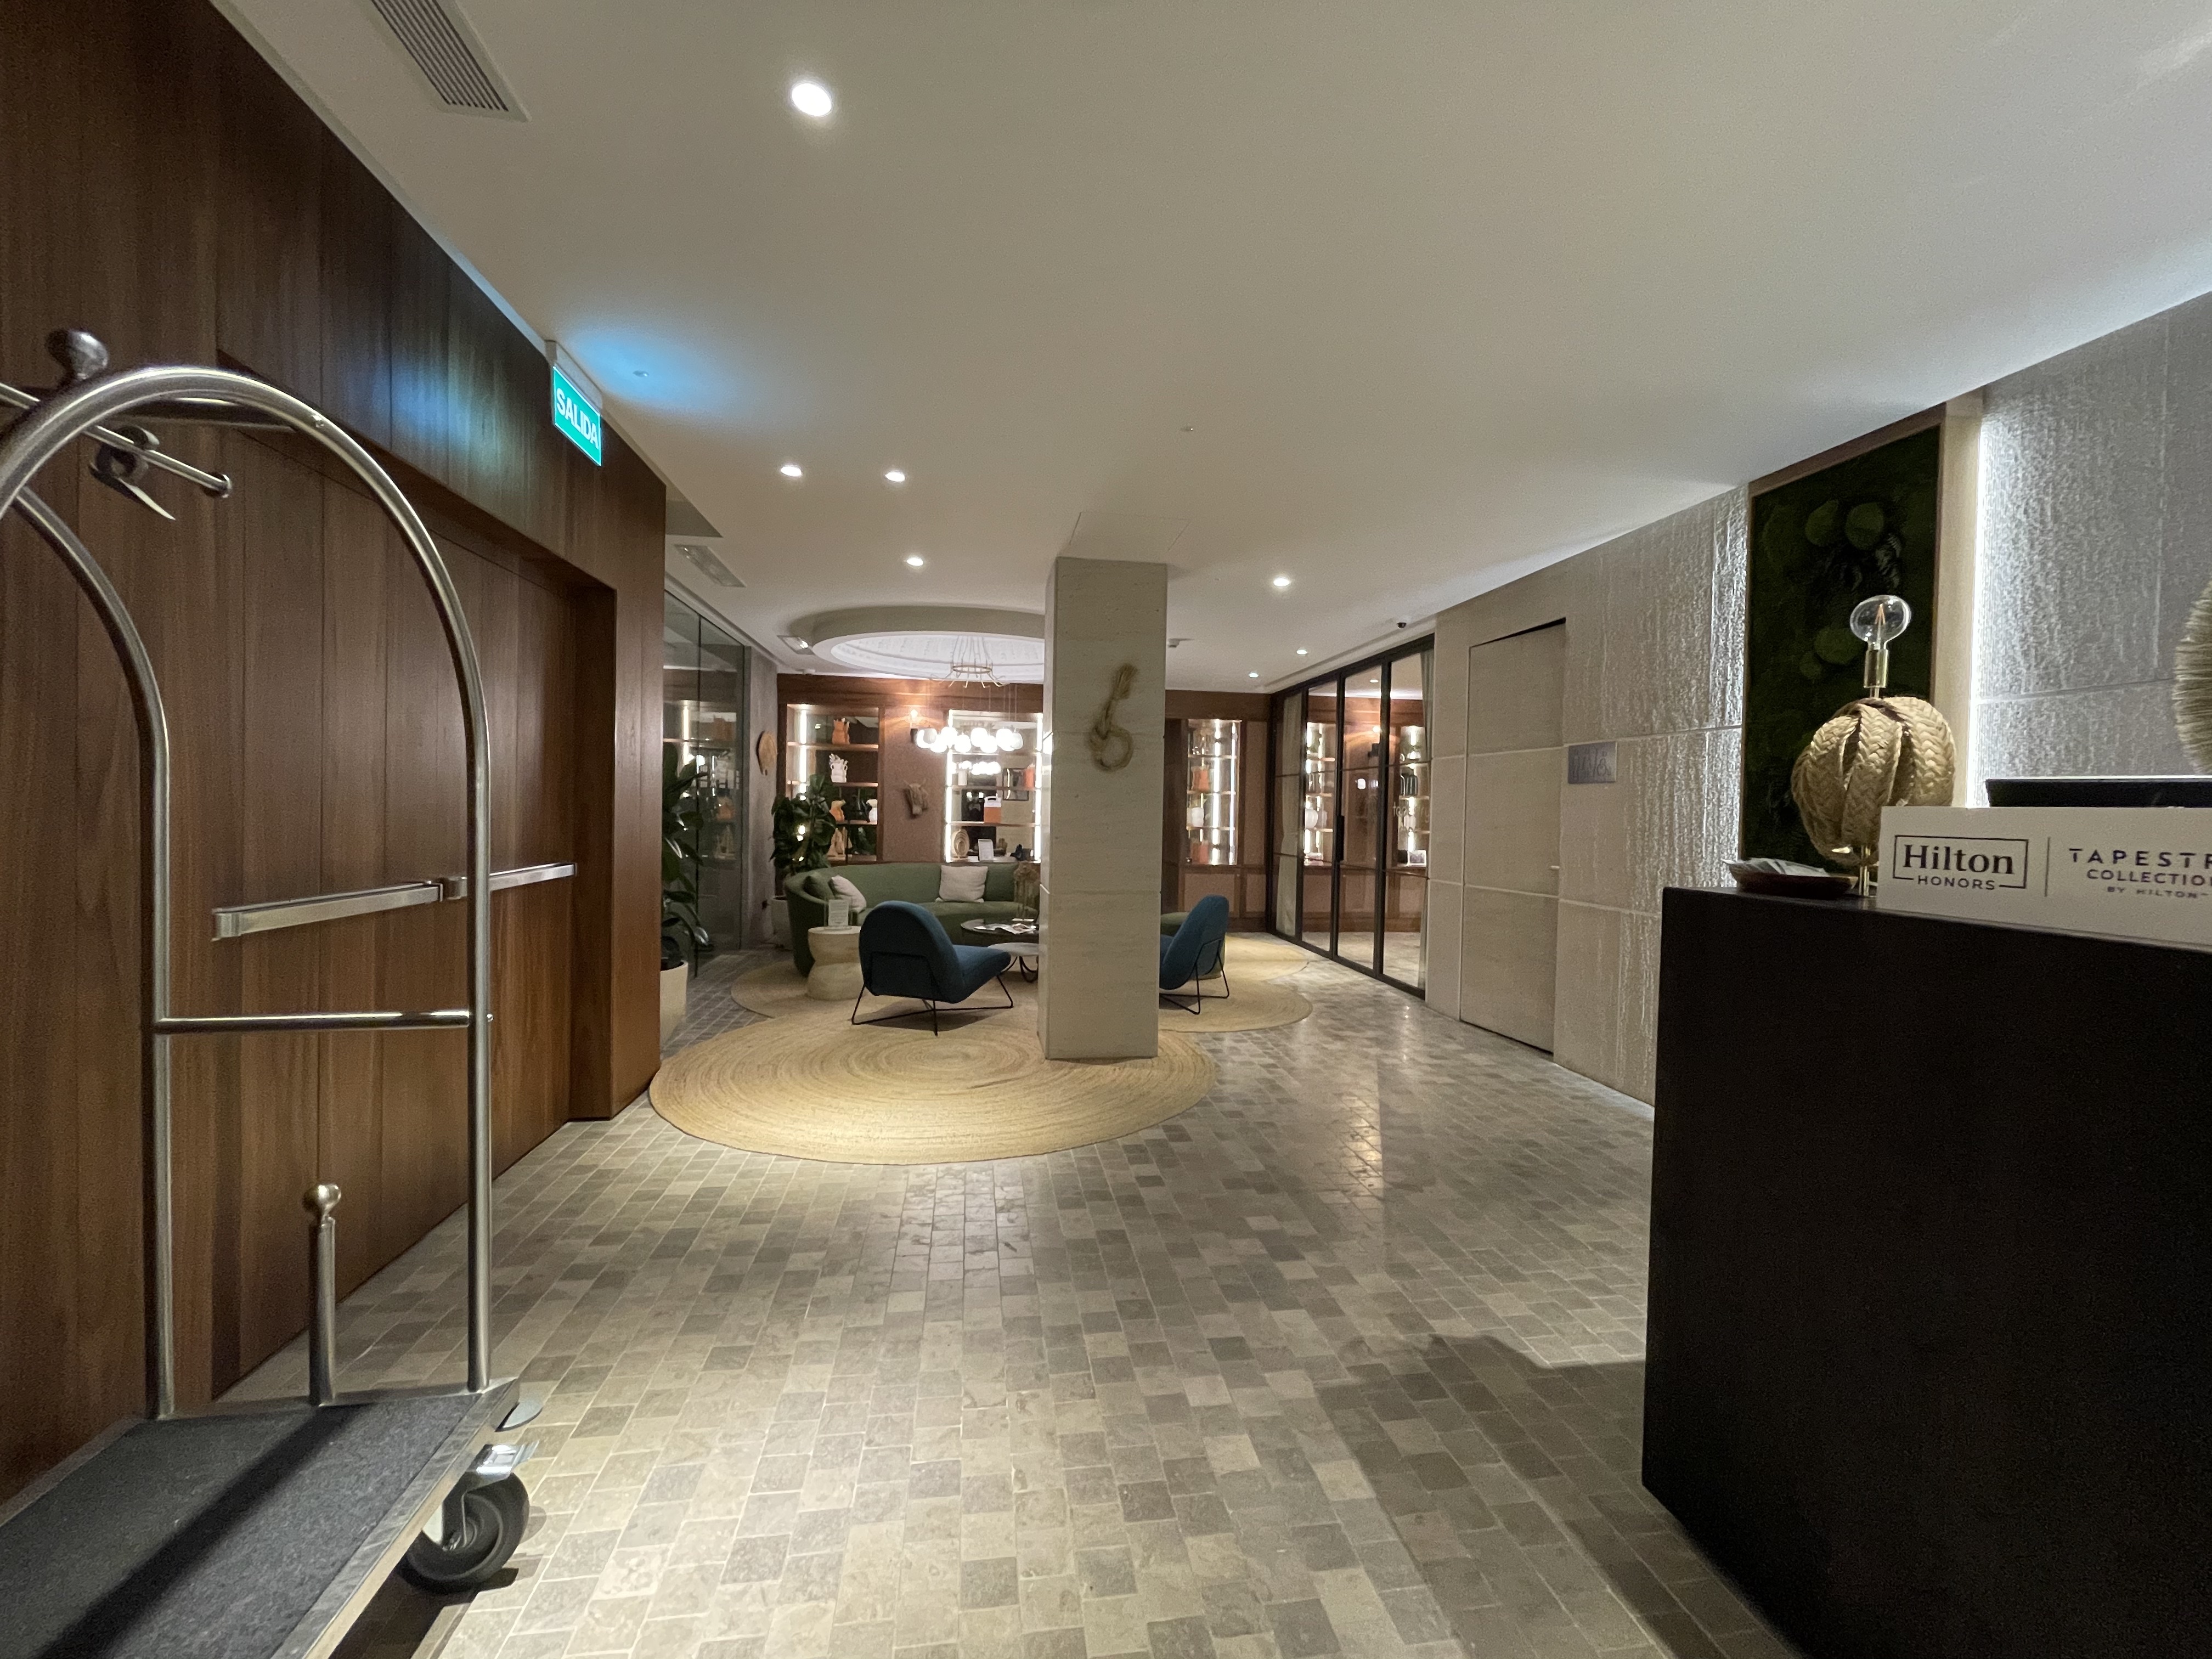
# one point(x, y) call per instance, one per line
point(675, 990)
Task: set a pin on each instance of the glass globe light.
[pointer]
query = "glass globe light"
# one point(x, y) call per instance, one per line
point(1009, 739)
point(1881, 619)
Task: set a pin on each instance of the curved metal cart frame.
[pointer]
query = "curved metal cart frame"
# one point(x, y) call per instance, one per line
point(202, 1500)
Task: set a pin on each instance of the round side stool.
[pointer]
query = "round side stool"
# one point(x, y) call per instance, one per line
point(837, 975)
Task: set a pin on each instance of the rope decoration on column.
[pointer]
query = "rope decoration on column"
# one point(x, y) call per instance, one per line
point(1878, 752)
point(1111, 746)
point(2192, 684)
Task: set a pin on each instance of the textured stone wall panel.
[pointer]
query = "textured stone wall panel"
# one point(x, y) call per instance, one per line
point(2073, 519)
point(1673, 623)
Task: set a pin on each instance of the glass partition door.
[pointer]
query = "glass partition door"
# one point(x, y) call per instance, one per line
point(702, 704)
point(1359, 865)
point(1351, 806)
point(1287, 806)
point(1405, 922)
point(1318, 819)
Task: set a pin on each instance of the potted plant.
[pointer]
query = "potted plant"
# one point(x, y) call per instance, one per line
point(802, 830)
point(682, 937)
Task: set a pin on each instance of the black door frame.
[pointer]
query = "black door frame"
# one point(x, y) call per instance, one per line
point(1337, 678)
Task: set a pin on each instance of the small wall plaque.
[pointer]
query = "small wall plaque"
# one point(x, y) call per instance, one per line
point(1592, 763)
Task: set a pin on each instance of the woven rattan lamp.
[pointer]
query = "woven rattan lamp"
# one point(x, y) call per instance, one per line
point(1878, 751)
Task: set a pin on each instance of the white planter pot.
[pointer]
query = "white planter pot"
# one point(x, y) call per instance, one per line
point(675, 990)
point(779, 919)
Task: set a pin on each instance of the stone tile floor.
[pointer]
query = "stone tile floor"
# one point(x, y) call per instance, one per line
point(1343, 1360)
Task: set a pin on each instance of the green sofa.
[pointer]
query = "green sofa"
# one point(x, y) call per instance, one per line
point(809, 892)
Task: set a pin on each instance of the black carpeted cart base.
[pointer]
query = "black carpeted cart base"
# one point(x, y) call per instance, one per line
point(247, 1533)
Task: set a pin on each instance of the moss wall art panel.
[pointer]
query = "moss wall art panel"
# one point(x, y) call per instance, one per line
point(1818, 545)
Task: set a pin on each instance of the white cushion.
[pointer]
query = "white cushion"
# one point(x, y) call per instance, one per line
point(845, 890)
point(963, 882)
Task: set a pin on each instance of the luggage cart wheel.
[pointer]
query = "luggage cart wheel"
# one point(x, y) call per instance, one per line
point(469, 1555)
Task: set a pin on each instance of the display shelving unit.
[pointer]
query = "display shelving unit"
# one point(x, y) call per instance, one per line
point(998, 807)
point(1212, 757)
point(837, 750)
point(1409, 826)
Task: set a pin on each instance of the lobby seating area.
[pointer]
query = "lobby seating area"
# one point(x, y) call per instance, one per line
point(809, 894)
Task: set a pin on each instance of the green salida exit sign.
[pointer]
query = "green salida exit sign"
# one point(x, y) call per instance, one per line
point(574, 417)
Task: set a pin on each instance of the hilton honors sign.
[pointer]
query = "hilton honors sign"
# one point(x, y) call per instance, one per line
point(2135, 872)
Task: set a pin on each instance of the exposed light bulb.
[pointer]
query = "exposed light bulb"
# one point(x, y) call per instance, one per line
point(811, 98)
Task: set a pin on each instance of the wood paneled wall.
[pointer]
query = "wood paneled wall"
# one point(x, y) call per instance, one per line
point(160, 185)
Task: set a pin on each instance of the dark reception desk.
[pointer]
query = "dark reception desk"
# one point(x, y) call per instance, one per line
point(1930, 1352)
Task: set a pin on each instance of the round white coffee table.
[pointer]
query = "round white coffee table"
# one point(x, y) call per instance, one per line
point(836, 974)
point(1022, 947)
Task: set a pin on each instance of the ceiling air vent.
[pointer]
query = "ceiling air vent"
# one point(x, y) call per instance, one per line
point(453, 60)
point(703, 561)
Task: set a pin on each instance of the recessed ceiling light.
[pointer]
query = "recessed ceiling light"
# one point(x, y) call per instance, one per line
point(1282, 581)
point(1252, 674)
point(791, 469)
point(895, 477)
point(811, 98)
point(1302, 651)
point(916, 560)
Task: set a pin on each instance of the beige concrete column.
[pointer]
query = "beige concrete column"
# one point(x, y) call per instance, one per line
point(1098, 829)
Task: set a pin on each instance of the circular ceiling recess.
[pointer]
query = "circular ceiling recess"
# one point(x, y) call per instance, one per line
point(930, 656)
point(928, 642)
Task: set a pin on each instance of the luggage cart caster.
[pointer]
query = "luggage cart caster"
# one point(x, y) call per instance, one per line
point(482, 1523)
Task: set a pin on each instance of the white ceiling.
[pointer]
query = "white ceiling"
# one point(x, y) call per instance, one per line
point(1442, 291)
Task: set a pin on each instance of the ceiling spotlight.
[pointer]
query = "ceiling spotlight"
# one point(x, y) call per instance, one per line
point(1282, 581)
point(1302, 651)
point(810, 98)
point(1251, 673)
point(895, 477)
point(791, 469)
point(916, 560)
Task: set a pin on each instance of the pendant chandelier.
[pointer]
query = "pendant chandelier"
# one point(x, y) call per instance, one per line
point(971, 664)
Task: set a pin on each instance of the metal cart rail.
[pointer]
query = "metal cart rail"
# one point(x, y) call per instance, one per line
point(258, 1529)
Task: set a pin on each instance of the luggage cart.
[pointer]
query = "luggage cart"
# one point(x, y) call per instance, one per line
point(257, 1530)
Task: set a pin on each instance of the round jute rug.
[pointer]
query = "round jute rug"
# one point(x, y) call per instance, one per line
point(841, 1094)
